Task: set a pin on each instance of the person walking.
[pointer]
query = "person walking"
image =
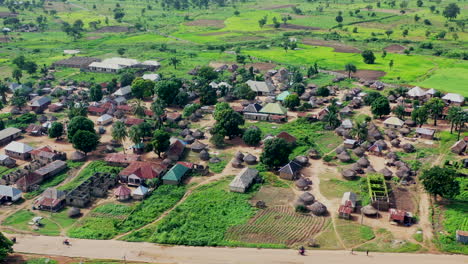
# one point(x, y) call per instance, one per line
point(367, 252)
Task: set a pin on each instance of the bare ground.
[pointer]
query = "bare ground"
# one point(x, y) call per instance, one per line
point(276, 7)
point(297, 27)
point(338, 46)
point(395, 48)
point(112, 29)
point(366, 74)
point(261, 66)
point(206, 23)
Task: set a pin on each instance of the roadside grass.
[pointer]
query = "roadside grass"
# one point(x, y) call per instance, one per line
point(20, 220)
point(273, 180)
point(385, 242)
point(353, 233)
point(454, 214)
point(86, 173)
point(204, 217)
point(40, 261)
point(334, 188)
point(327, 239)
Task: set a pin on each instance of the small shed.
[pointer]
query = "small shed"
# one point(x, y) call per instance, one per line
point(175, 175)
point(426, 133)
point(243, 180)
point(140, 193)
point(105, 119)
point(350, 143)
point(122, 193)
point(393, 122)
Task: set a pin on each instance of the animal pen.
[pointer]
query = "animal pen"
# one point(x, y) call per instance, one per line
point(378, 192)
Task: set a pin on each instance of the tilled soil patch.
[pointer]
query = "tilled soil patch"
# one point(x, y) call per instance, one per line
point(338, 47)
point(112, 29)
point(366, 74)
point(297, 27)
point(206, 23)
point(276, 7)
point(395, 48)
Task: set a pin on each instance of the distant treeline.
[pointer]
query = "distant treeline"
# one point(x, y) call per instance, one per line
point(186, 4)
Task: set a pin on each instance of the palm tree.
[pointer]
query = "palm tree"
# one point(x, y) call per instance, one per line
point(158, 109)
point(460, 121)
point(174, 61)
point(3, 91)
point(134, 134)
point(139, 109)
point(350, 68)
point(119, 132)
point(452, 116)
point(360, 131)
point(399, 111)
point(436, 106)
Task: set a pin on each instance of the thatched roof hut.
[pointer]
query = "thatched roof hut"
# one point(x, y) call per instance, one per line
point(239, 155)
point(314, 154)
point(395, 143)
point(339, 131)
point(392, 155)
point(386, 173)
point(307, 198)
point(382, 144)
point(167, 162)
point(236, 163)
point(189, 139)
point(215, 160)
point(408, 148)
point(77, 156)
point(369, 210)
point(185, 132)
point(403, 172)
point(365, 145)
point(42, 118)
point(182, 124)
point(404, 131)
point(349, 173)
point(410, 123)
point(302, 160)
point(317, 209)
point(374, 134)
point(370, 169)
point(357, 168)
point(250, 159)
point(391, 134)
point(359, 152)
point(344, 157)
point(340, 149)
point(400, 164)
point(363, 162)
point(74, 212)
point(197, 146)
point(198, 134)
point(204, 155)
point(302, 184)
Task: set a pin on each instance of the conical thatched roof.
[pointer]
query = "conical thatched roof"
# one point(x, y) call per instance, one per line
point(386, 172)
point(182, 124)
point(189, 139)
point(77, 156)
point(410, 123)
point(239, 155)
point(307, 198)
point(391, 134)
point(363, 162)
point(236, 163)
point(392, 155)
point(344, 156)
point(381, 144)
point(357, 168)
point(400, 164)
point(186, 132)
point(317, 208)
point(370, 169)
point(408, 148)
point(302, 160)
point(340, 149)
point(198, 134)
point(403, 172)
point(204, 155)
point(359, 152)
point(404, 131)
point(395, 142)
point(74, 212)
point(301, 183)
point(369, 210)
point(215, 160)
point(314, 154)
point(250, 159)
point(197, 146)
point(366, 145)
point(349, 173)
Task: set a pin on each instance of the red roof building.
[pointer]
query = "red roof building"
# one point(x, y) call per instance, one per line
point(94, 110)
point(397, 215)
point(149, 112)
point(286, 136)
point(120, 159)
point(130, 121)
point(122, 193)
point(175, 151)
point(139, 171)
point(125, 108)
point(186, 164)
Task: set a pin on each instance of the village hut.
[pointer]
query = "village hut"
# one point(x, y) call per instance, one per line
point(314, 154)
point(359, 152)
point(307, 198)
point(182, 124)
point(395, 143)
point(408, 148)
point(317, 209)
point(374, 134)
point(382, 144)
point(189, 139)
point(458, 147)
point(340, 149)
point(370, 169)
point(204, 155)
point(198, 134)
point(392, 155)
point(363, 162)
point(215, 160)
point(349, 173)
point(77, 156)
point(302, 184)
point(340, 130)
point(404, 131)
point(391, 134)
point(197, 146)
point(236, 163)
point(119, 114)
point(369, 210)
point(42, 119)
point(185, 132)
point(122, 193)
point(410, 122)
point(52, 118)
point(386, 173)
point(357, 168)
point(250, 159)
point(302, 160)
point(391, 98)
point(239, 156)
point(344, 157)
point(167, 162)
point(74, 212)
point(400, 164)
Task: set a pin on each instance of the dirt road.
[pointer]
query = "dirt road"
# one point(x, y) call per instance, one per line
point(117, 250)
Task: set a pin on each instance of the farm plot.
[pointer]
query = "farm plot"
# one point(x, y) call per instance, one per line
point(277, 225)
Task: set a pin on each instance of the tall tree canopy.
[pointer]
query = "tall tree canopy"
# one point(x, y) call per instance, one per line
point(79, 123)
point(441, 181)
point(275, 152)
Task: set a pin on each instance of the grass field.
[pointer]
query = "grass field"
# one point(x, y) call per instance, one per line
point(384, 243)
point(86, 173)
point(20, 220)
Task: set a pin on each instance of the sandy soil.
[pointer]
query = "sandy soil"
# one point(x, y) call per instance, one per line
point(395, 48)
point(338, 46)
point(118, 250)
point(206, 23)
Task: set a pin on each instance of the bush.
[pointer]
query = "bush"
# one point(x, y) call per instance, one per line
point(327, 158)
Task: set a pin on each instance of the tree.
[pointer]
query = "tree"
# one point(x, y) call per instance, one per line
point(388, 33)
point(6, 246)
point(139, 109)
point(451, 11)
point(405, 32)
point(252, 136)
point(158, 110)
point(207, 73)
point(350, 68)
point(243, 91)
point(181, 99)
point(18, 101)
point(3, 91)
point(420, 115)
point(142, 88)
point(323, 91)
point(119, 132)
point(399, 111)
point(121, 51)
point(56, 130)
point(292, 101)
point(30, 67)
point(298, 88)
point(453, 115)
point(165, 90)
point(78, 123)
point(339, 19)
point(228, 123)
point(441, 181)
point(419, 3)
point(95, 93)
point(77, 110)
point(390, 64)
point(17, 74)
point(275, 152)
point(161, 141)
point(85, 141)
point(208, 96)
point(360, 131)
point(241, 59)
point(126, 79)
point(368, 56)
point(436, 107)
point(174, 61)
point(134, 134)
point(371, 97)
point(380, 107)
point(262, 22)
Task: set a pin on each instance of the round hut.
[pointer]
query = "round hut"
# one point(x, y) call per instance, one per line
point(359, 152)
point(404, 131)
point(302, 184)
point(392, 155)
point(197, 146)
point(236, 163)
point(239, 156)
point(391, 134)
point(344, 157)
point(250, 159)
point(215, 160)
point(363, 162)
point(189, 139)
point(204, 155)
point(42, 119)
point(369, 210)
point(77, 156)
point(386, 173)
point(381, 144)
point(198, 134)
point(370, 169)
point(122, 193)
point(74, 212)
point(410, 123)
point(395, 142)
point(408, 148)
point(307, 198)
point(317, 209)
point(357, 168)
point(340, 149)
point(349, 173)
point(182, 124)
point(403, 172)
point(302, 160)
point(185, 132)
point(314, 154)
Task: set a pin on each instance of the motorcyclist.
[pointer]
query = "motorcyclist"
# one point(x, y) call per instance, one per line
point(302, 250)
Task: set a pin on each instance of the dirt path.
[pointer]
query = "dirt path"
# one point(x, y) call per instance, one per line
point(147, 252)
